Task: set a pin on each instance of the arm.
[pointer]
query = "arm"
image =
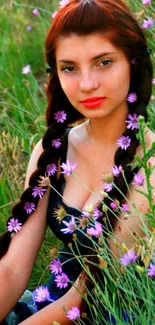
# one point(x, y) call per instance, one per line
point(16, 265)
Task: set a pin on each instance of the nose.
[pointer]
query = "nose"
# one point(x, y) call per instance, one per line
point(88, 81)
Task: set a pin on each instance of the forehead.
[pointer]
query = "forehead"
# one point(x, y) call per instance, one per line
point(76, 47)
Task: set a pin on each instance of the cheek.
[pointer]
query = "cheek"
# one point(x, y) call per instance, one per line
point(119, 82)
point(69, 87)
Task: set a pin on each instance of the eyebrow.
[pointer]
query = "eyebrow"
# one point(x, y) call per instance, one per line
point(101, 55)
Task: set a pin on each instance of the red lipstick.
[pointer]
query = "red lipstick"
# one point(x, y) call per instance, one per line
point(93, 102)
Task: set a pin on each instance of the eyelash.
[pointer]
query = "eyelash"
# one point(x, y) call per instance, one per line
point(70, 67)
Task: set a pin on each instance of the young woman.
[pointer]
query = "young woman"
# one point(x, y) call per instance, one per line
point(101, 76)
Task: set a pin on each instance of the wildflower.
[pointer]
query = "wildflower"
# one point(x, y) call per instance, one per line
point(29, 28)
point(132, 122)
point(138, 180)
point(73, 313)
point(124, 142)
point(26, 69)
point(63, 3)
point(60, 213)
point(103, 194)
point(60, 116)
point(146, 2)
point(125, 207)
point(56, 143)
point(61, 280)
point(51, 169)
point(29, 207)
point(116, 170)
point(35, 12)
point(153, 81)
point(151, 270)
point(56, 266)
point(148, 23)
point(97, 213)
point(128, 258)
point(133, 61)
point(41, 294)
point(54, 14)
point(14, 225)
point(107, 177)
point(97, 231)
point(71, 226)
point(113, 205)
point(89, 208)
point(45, 181)
point(84, 222)
point(38, 191)
point(86, 214)
point(108, 187)
point(68, 168)
point(132, 97)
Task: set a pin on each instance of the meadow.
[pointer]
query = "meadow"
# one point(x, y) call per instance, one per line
point(23, 100)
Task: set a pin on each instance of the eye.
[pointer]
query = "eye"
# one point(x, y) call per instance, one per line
point(105, 62)
point(68, 69)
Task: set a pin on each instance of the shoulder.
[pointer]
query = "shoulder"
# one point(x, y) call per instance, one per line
point(78, 135)
point(32, 165)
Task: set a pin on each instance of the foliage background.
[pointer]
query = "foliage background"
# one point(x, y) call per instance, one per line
point(23, 101)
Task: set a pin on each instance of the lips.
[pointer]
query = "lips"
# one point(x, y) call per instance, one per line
point(92, 100)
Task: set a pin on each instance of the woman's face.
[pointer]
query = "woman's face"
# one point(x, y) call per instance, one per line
point(93, 73)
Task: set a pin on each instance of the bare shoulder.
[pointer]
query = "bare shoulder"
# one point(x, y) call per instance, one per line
point(78, 136)
point(32, 165)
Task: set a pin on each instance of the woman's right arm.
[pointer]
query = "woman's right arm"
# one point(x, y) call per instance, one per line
point(17, 264)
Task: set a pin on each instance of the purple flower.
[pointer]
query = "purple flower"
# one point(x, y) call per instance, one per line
point(153, 81)
point(51, 169)
point(148, 23)
point(26, 69)
point(56, 143)
point(97, 213)
point(138, 180)
point(29, 28)
point(124, 142)
point(132, 122)
point(146, 2)
point(128, 258)
point(113, 205)
point(63, 3)
point(68, 168)
point(73, 313)
point(61, 280)
point(35, 12)
point(60, 116)
point(151, 270)
point(71, 226)
point(14, 225)
point(116, 170)
point(86, 214)
point(38, 191)
point(56, 266)
point(29, 207)
point(133, 61)
point(108, 187)
point(132, 97)
point(125, 207)
point(97, 231)
point(54, 14)
point(41, 294)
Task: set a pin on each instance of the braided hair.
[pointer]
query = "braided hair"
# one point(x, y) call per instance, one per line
point(114, 20)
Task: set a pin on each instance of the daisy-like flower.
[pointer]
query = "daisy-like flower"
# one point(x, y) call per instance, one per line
point(56, 143)
point(132, 122)
point(35, 12)
point(125, 207)
point(97, 213)
point(86, 214)
point(153, 81)
point(63, 3)
point(26, 69)
point(71, 226)
point(45, 181)
point(128, 258)
point(108, 187)
point(38, 191)
point(124, 142)
point(68, 168)
point(61, 280)
point(54, 14)
point(60, 116)
point(138, 180)
point(146, 2)
point(147, 23)
point(84, 222)
point(29, 207)
point(151, 270)
point(60, 213)
point(132, 97)
point(29, 28)
point(56, 266)
point(41, 294)
point(116, 170)
point(14, 225)
point(51, 169)
point(73, 313)
point(113, 205)
point(97, 231)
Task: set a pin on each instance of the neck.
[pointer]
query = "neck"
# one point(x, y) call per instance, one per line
point(108, 129)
